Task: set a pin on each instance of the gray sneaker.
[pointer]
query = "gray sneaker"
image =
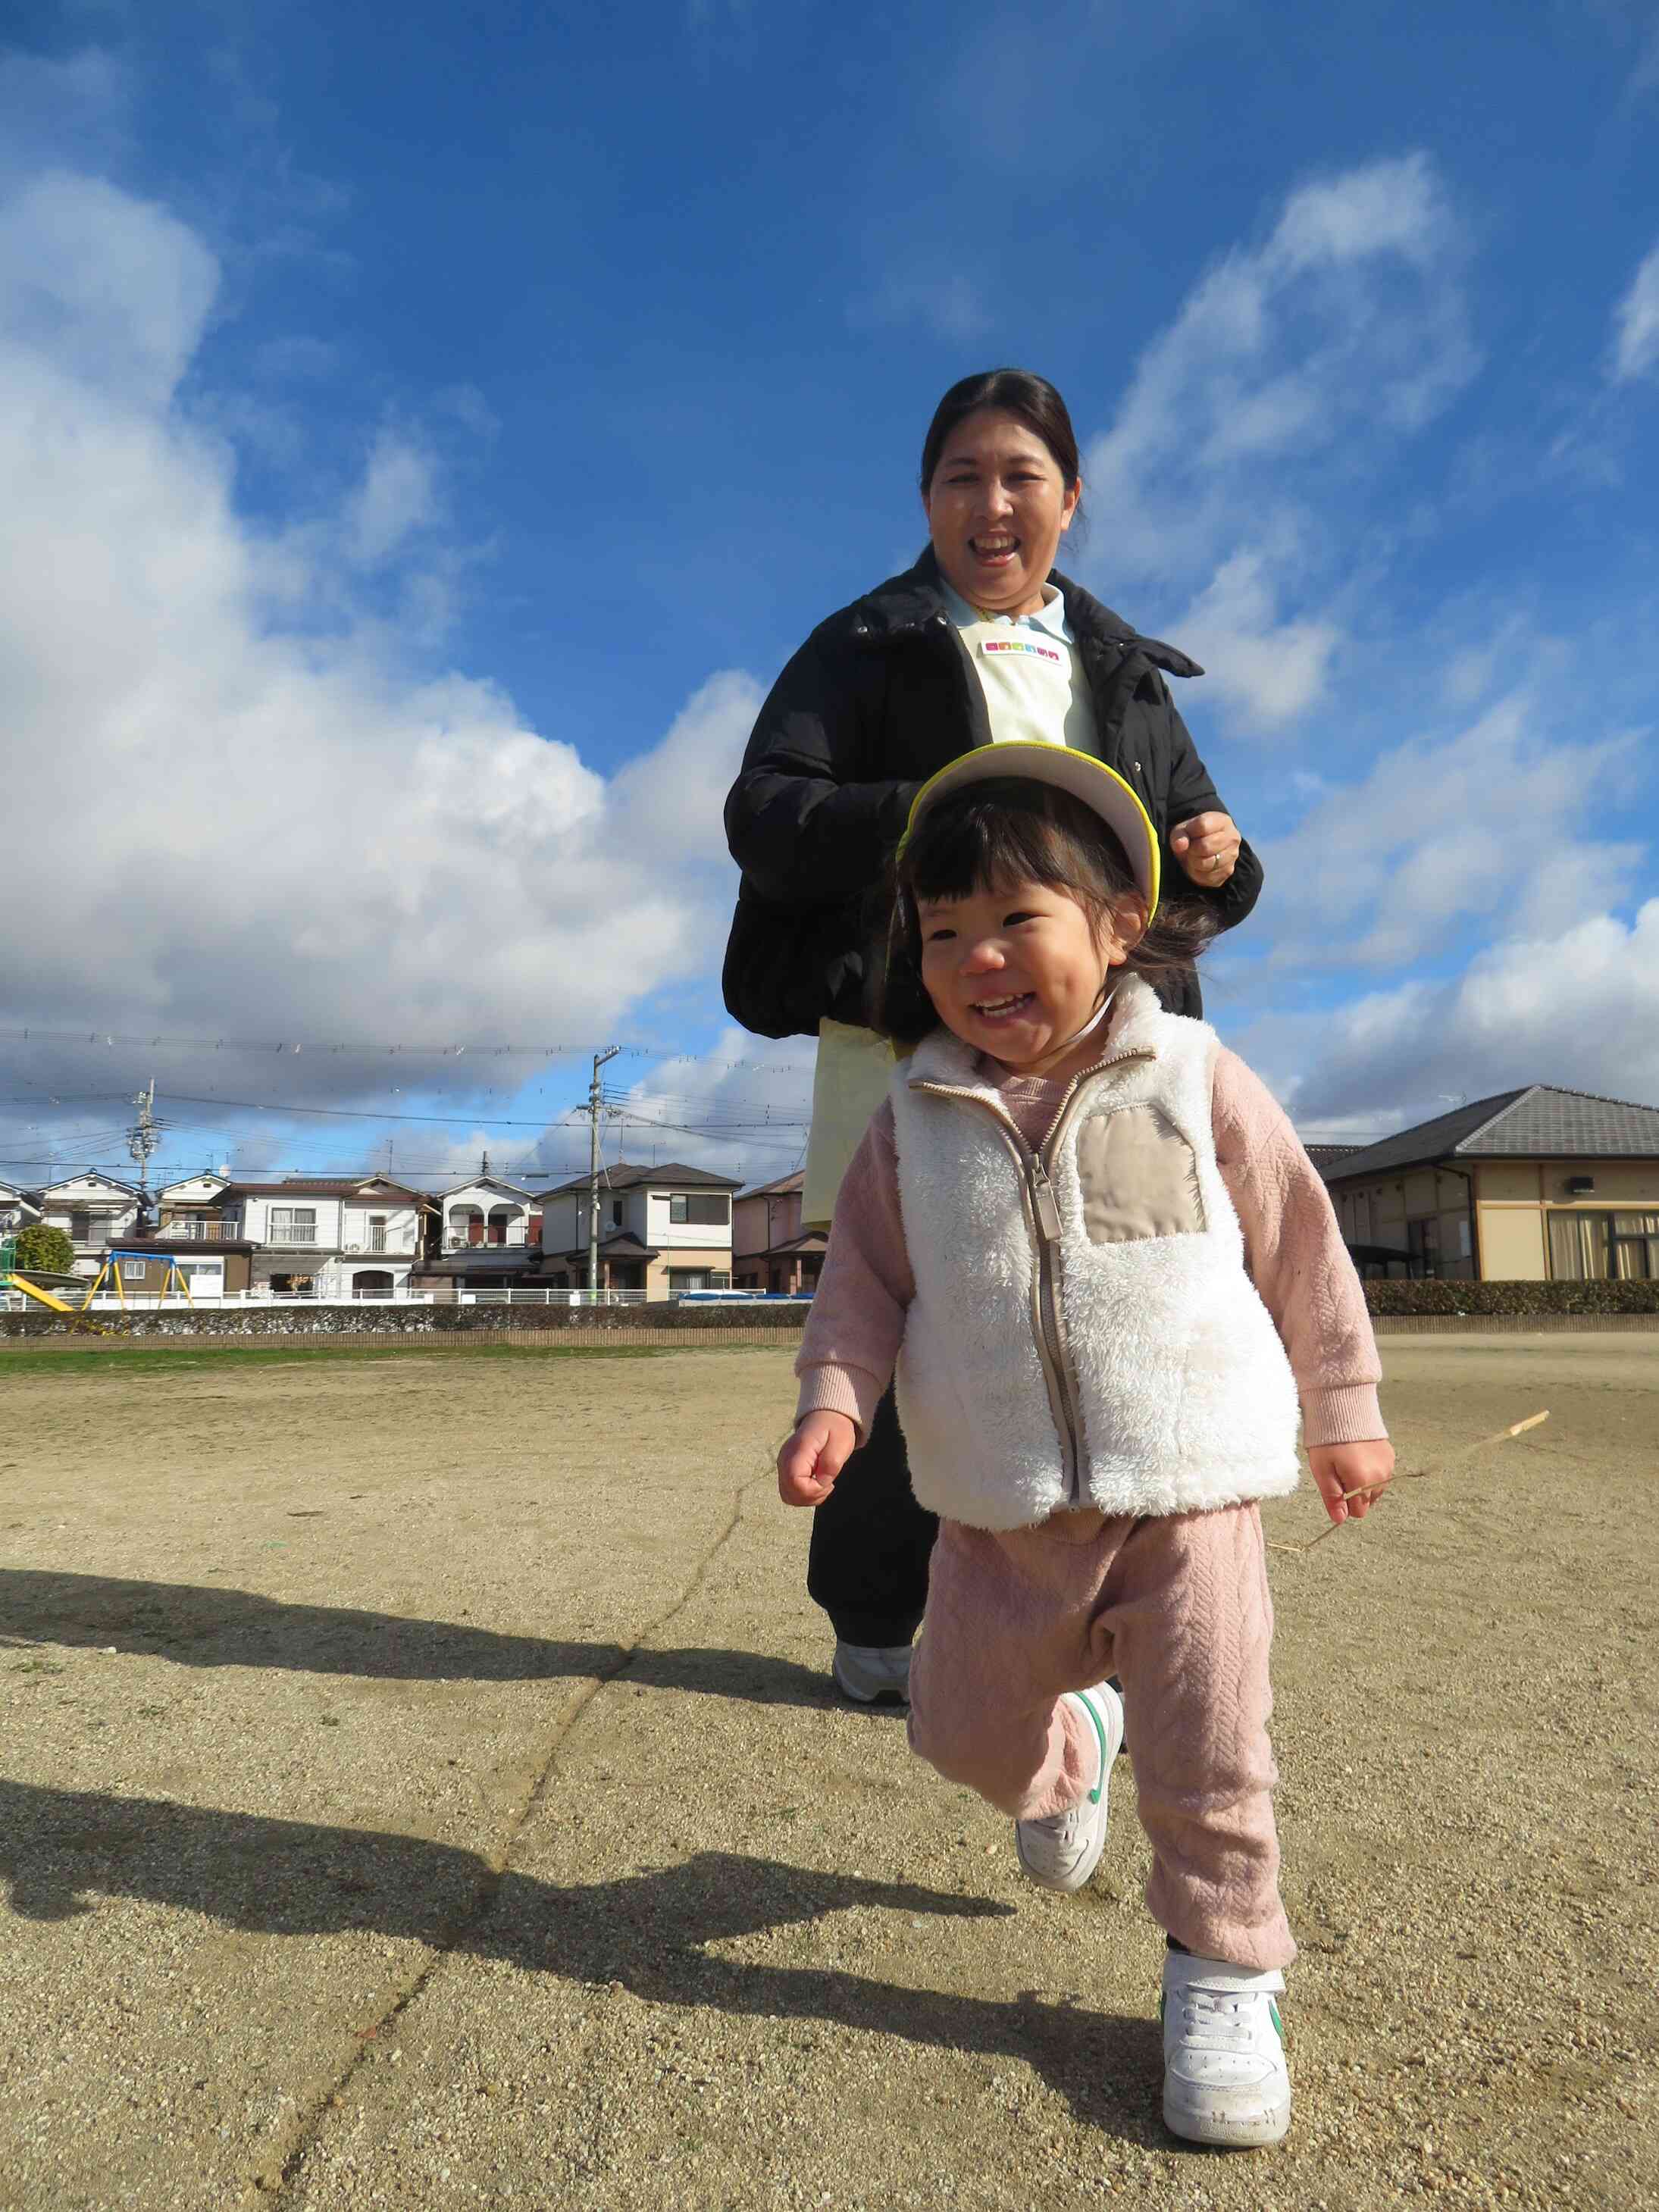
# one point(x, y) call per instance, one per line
point(1062, 1851)
point(872, 1673)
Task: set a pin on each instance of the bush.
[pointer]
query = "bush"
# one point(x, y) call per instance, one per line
point(44, 1251)
point(1428, 1297)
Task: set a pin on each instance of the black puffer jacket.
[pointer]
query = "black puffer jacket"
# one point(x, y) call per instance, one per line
point(879, 698)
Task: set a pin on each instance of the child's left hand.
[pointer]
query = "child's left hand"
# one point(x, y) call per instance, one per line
point(1338, 1468)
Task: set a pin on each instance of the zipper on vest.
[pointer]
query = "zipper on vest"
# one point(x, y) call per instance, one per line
point(1045, 1217)
point(1041, 1210)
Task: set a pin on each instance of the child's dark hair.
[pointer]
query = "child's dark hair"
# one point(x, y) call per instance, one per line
point(1009, 829)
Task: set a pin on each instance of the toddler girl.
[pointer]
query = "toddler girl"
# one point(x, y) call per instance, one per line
point(1104, 1270)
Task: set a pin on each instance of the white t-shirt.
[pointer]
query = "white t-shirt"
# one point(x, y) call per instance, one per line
point(1034, 683)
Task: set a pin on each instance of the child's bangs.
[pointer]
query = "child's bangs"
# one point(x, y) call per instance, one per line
point(998, 833)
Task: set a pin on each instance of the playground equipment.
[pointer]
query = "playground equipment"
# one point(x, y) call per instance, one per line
point(174, 1280)
point(11, 1280)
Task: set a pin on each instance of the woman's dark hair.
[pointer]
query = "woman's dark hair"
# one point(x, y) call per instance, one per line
point(1013, 391)
point(1009, 829)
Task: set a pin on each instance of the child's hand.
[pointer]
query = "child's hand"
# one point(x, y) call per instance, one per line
point(1339, 1470)
point(808, 1464)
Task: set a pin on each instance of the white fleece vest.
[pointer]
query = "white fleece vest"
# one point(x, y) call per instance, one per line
point(1170, 1376)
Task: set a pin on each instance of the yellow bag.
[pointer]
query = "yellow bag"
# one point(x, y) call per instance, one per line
point(854, 1070)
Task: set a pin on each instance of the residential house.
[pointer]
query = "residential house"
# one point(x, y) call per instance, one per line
point(660, 1230)
point(17, 1209)
point(769, 1251)
point(1527, 1186)
point(94, 1210)
point(483, 1233)
point(327, 1236)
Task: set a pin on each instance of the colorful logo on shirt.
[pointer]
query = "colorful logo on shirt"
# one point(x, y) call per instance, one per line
point(1020, 645)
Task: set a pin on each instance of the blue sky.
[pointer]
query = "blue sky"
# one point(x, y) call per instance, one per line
point(430, 430)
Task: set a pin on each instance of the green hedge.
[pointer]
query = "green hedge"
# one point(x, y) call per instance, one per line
point(1425, 1298)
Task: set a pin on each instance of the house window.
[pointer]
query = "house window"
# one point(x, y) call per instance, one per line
point(697, 1279)
point(134, 1270)
point(616, 1213)
point(377, 1232)
point(1591, 1246)
point(293, 1225)
point(713, 1211)
point(80, 1229)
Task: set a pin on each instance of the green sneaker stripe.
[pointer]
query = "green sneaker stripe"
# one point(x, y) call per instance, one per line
point(1100, 1738)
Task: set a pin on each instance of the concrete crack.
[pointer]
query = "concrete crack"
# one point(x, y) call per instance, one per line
point(274, 2182)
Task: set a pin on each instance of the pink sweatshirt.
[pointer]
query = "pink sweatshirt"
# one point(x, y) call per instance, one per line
point(1292, 1249)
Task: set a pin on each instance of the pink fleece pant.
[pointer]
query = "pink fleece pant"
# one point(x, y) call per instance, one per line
point(1178, 1608)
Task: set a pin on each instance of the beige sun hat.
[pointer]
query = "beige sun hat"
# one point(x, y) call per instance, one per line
point(1101, 788)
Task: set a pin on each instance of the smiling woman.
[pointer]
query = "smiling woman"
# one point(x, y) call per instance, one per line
point(981, 642)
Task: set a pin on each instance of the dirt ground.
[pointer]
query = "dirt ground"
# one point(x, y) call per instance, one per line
point(420, 1788)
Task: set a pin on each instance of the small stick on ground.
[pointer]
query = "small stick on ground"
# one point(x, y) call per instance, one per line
point(1412, 1474)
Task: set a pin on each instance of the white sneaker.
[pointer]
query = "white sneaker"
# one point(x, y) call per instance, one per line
point(1224, 2076)
point(1062, 1851)
point(872, 1674)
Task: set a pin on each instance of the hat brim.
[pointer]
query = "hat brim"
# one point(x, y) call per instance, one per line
point(1102, 789)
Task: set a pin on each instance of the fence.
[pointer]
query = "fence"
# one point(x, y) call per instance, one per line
point(405, 1322)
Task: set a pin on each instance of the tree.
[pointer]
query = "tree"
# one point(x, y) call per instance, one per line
point(43, 1250)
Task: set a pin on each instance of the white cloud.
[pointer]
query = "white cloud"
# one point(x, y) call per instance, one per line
point(1278, 389)
point(1278, 669)
point(1503, 824)
point(396, 497)
point(1578, 1007)
point(249, 805)
point(951, 306)
point(740, 1109)
point(111, 291)
point(1636, 323)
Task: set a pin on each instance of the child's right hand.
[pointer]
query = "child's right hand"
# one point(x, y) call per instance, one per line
point(821, 1446)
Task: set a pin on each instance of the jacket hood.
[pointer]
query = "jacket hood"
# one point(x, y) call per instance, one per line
point(915, 597)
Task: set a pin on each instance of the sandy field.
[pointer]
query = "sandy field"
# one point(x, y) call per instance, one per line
point(421, 1788)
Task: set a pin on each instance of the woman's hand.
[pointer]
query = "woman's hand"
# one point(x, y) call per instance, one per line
point(821, 1446)
point(1208, 848)
point(1341, 1470)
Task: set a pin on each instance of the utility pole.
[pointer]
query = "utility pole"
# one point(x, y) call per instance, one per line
point(143, 1140)
point(593, 1095)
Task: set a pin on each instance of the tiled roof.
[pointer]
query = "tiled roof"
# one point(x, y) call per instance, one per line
point(626, 1175)
point(484, 1182)
point(796, 1182)
point(620, 1244)
point(1325, 1155)
point(372, 1188)
point(1541, 1122)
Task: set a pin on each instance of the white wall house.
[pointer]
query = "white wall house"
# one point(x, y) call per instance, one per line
point(338, 1239)
point(17, 1209)
point(485, 1214)
point(661, 1229)
point(94, 1210)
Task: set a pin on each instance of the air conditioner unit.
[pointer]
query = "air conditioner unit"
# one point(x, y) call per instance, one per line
point(354, 1248)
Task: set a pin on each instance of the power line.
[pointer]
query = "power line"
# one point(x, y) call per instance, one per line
point(419, 1048)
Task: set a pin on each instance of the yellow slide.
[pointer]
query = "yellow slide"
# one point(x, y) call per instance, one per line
point(12, 1282)
point(34, 1290)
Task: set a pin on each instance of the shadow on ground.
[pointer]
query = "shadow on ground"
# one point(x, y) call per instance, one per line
point(198, 1626)
point(60, 1849)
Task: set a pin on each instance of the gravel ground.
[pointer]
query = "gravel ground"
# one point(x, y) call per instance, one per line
point(420, 1788)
